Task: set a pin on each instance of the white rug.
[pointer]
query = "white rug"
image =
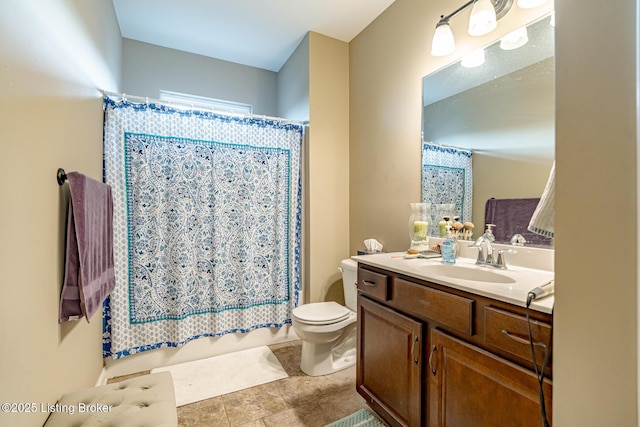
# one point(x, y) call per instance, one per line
point(215, 376)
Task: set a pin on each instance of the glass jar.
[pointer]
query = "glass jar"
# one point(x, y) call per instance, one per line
point(419, 226)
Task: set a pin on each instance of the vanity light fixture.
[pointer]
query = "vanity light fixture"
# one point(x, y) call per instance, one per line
point(443, 41)
point(514, 39)
point(483, 20)
point(474, 59)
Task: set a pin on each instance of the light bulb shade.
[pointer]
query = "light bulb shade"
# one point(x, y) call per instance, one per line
point(474, 59)
point(514, 39)
point(530, 4)
point(443, 42)
point(483, 18)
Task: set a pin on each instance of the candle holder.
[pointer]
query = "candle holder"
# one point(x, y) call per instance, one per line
point(419, 226)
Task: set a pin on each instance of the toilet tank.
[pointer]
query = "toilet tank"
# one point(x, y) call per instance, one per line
point(349, 270)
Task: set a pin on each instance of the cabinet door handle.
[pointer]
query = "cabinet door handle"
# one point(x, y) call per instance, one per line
point(433, 351)
point(369, 283)
point(416, 353)
point(521, 340)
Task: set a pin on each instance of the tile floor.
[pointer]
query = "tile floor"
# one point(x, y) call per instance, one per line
point(296, 401)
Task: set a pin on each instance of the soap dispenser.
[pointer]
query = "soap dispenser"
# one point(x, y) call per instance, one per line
point(448, 247)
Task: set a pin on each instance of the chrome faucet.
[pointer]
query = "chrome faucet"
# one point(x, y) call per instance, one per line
point(478, 245)
point(518, 240)
point(486, 257)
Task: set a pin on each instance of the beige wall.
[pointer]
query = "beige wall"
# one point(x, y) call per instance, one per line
point(53, 58)
point(328, 166)
point(596, 314)
point(595, 341)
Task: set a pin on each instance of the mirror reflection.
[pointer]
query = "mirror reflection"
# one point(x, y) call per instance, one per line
point(502, 109)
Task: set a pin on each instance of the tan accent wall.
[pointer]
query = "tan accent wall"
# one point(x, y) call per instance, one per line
point(596, 314)
point(328, 166)
point(54, 57)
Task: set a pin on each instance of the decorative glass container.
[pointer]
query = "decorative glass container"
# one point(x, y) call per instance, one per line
point(419, 226)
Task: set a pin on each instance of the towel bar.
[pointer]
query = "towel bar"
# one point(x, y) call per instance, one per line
point(62, 176)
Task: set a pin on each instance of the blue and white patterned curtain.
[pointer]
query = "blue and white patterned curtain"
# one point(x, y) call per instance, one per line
point(207, 224)
point(447, 182)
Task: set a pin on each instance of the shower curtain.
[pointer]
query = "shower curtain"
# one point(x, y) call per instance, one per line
point(447, 182)
point(207, 224)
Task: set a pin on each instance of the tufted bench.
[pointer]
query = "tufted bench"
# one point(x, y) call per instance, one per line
point(148, 400)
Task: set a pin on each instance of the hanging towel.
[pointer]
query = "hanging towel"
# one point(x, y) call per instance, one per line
point(89, 275)
point(512, 216)
point(542, 219)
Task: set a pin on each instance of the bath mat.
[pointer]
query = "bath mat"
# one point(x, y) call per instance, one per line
point(215, 376)
point(362, 418)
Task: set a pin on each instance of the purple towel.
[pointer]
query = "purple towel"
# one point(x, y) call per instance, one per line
point(89, 275)
point(512, 216)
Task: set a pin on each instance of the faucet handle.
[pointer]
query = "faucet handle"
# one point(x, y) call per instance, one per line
point(500, 262)
point(518, 240)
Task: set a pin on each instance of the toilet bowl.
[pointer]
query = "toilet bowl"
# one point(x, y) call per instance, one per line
point(328, 329)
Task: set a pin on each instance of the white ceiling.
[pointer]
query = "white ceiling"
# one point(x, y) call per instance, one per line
point(259, 33)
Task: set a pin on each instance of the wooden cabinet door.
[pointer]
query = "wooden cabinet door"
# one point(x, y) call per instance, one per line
point(472, 387)
point(389, 367)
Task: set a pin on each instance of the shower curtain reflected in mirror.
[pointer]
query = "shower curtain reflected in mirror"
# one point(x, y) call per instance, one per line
point(447, 182)
point(207, 224)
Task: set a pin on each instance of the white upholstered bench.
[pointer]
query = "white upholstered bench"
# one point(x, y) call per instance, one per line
point(145, 401)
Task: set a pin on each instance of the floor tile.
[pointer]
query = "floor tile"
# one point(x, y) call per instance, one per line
point(307, 415)
point(253, 403)
point(341, 404)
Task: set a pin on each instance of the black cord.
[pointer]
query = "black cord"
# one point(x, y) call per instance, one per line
point(539, 374)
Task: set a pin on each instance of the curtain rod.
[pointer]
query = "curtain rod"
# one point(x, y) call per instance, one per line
point(124, 96)
point(438, 144)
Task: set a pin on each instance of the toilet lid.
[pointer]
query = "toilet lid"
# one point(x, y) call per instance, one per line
point(321, 312)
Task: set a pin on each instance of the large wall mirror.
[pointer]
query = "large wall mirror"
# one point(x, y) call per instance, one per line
point(503, 111)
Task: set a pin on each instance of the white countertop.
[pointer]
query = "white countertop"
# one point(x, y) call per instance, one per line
point(511, 285)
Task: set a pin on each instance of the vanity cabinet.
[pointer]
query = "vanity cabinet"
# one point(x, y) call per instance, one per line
point(390, 376)
point(469, 386)
point(430, 355)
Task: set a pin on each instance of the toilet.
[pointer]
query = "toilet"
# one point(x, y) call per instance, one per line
point(328, 329)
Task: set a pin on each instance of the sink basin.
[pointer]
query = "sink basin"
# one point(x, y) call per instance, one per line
point(475, 274)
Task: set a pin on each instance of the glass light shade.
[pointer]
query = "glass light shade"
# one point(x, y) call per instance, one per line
point(443, 42)
point(474, 59)
point(514, 39)
point(483, 18)
point(530, 4)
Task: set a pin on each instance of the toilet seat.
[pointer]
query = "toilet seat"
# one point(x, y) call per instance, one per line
point(321, 313)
